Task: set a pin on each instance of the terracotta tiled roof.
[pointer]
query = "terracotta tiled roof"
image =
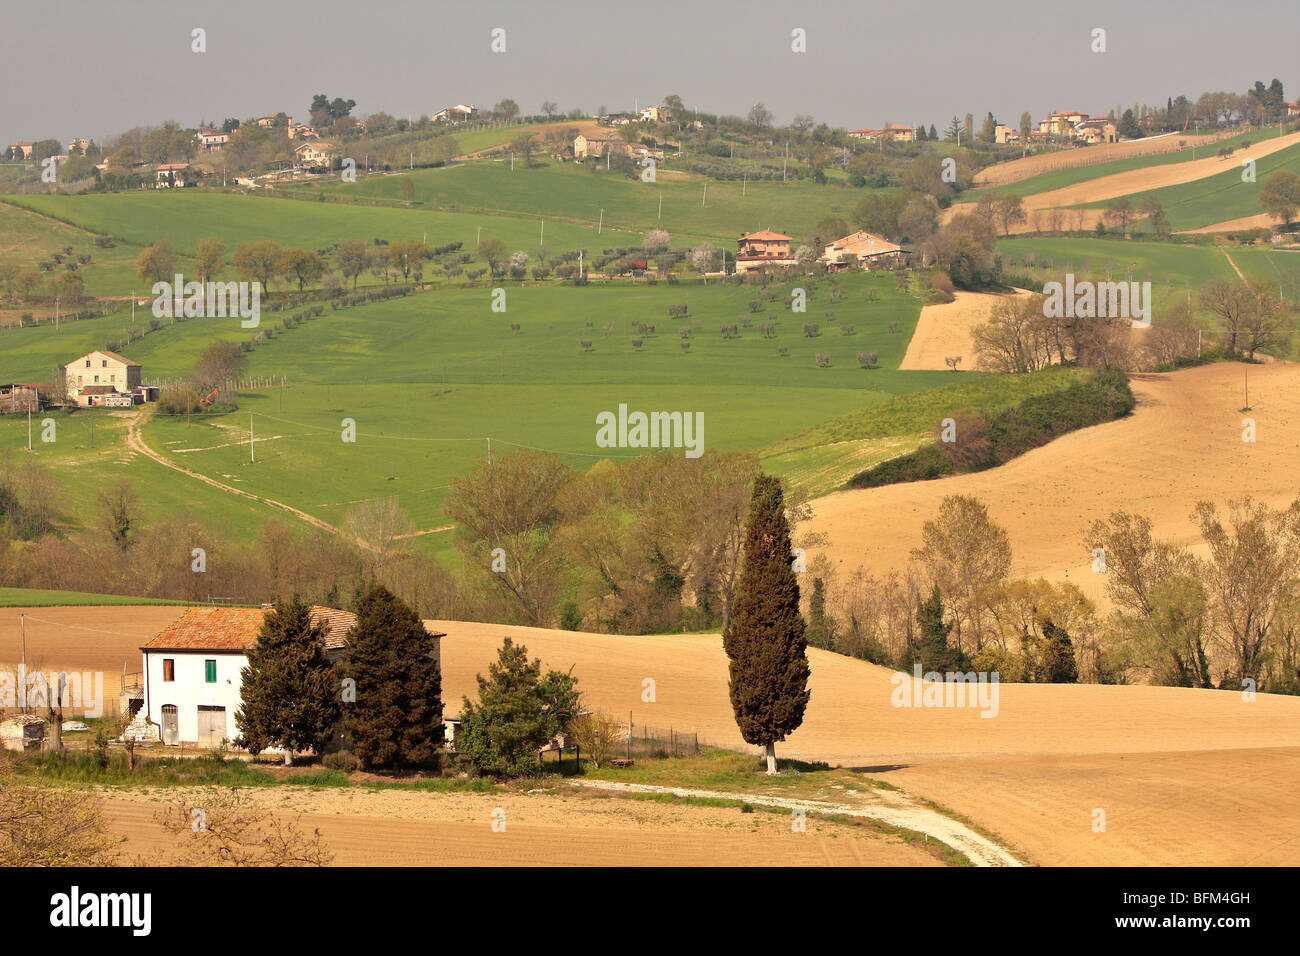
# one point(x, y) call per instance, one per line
point(338, 624)
point(236, 628)
point(766, 234)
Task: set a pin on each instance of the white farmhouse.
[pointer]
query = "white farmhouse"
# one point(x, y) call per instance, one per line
point(192, 671)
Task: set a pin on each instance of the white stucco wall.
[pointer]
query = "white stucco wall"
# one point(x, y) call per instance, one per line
point(190, 689)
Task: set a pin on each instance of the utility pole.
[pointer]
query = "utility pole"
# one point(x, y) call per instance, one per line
point(252, 457)
point(29, 429)
point(601, 224)
point(541, 238)
point(661, 207)
point(705, 196)
point(489, 441)
point(22, 625)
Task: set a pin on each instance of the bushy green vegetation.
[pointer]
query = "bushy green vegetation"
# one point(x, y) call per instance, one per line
point(994, 438)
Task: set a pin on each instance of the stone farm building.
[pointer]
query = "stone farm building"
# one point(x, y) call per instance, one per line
point(193, 667)
point(105, 378)
point(871, 251)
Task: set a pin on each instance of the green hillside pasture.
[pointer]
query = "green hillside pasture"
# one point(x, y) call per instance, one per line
point(477, 140)
point(823, 457)
point(83, 473)
point(185, 217)
point(454, 333)
point(1060, 178)
point(28, 237)
point(35, 597)
point(31, 353)
point(1171, 268)
point(566, 192)
point(1218, 198)
point(1270, 267)
point(412, 440)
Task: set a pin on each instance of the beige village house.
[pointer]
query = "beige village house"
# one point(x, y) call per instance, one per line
point(315, 153)
point(106, 378)
point(869, 249)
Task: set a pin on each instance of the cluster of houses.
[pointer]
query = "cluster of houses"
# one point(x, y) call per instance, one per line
point(891, 131)
point(766, 250)
point(1076, 126)
point(191, 683)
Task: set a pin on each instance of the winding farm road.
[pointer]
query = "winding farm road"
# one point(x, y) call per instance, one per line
point(135, 441)
point(903, 811)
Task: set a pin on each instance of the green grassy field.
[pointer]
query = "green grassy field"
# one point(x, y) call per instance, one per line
point(138, 219)
point(429, 378)
point(28, 237)
point(1217, 198)
point(33, 597)
point(1175, 270)
point(1060, 178)
point(566, 192)
point(83, 471)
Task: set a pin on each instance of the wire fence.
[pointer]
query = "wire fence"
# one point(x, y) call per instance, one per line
point(645, 741)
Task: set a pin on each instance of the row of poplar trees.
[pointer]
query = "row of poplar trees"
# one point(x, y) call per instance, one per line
point(384, 693)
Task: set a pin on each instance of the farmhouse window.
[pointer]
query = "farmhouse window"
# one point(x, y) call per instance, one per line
point(210, 671)
point(169, 669)
point(87, 363)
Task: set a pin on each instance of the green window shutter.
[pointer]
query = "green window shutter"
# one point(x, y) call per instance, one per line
point(210, 671)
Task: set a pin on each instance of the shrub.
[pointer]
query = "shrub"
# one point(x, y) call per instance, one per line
point(344, 760)
point(924, 464)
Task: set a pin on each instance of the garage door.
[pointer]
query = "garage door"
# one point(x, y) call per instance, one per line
point(212, 725)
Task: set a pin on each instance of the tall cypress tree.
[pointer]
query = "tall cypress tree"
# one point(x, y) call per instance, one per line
point(396, 719)
point(288, 690)
point(765, 636)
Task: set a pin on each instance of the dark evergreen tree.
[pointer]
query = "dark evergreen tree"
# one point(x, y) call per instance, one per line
point(765, 637)
point(934, 134)
point(1057, 663)
point(1129, 127)
point(396, 719)
point(518, 713)
point(819, 628)
point(289, 693)
point(932, 650)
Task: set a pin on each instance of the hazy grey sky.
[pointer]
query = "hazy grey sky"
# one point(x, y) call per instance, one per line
point(97, 67)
